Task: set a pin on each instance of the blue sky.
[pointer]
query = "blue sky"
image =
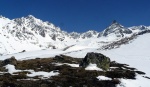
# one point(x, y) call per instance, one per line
point(80, 15)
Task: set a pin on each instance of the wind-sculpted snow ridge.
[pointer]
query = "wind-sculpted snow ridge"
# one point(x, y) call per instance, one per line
point(30, 33)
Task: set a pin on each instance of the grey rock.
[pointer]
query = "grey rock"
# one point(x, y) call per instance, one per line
point(11, 60)
point(99, 59)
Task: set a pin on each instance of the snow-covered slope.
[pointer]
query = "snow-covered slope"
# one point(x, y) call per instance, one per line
point(136, 54)
point(29, 34)
point(43, 39)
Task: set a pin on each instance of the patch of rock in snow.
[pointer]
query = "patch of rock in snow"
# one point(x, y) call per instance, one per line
point(11, 69)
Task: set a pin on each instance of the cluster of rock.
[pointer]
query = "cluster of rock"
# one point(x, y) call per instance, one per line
point(126, 40)
point(99, 59)
point(69, 76)
point(117, 44)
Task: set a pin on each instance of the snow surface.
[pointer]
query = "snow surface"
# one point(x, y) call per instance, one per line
point(11, 69)
point(72, 65)
point(135, 54)
point(34, 54)
point(103, 78)
point(93, 67)
point(43, 74)
point(139, 82)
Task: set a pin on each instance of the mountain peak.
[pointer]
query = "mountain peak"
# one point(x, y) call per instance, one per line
point(115, 24)
point(117, 29)
point(114, 21)
point(30, 16)
point(1, 16)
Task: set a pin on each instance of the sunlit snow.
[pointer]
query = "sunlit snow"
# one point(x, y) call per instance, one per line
point(103, 78)
point(93, 67)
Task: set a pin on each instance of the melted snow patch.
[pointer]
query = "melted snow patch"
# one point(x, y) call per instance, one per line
point(11, 69)
point(103, 78)
point(93, 67)
point(72, 65)
point(43, 74)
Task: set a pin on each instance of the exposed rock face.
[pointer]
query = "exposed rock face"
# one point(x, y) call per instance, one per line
point(117, 29)
point(68, 59)
point(117, 44)
point(99, 59)
point(59, 58)
point(11, 60)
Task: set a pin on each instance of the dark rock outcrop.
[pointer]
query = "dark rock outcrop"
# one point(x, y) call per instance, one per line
point(99, 59)
point(117, 44)
point(11, 60)
point(68, 59)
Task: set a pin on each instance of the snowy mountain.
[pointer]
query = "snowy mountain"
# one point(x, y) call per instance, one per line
point(85, 35)
point(116, 30)
point(29, 33)
point(30, 38)
point(26, 32)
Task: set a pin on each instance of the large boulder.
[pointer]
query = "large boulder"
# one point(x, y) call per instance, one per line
point(99, 59)
point(11, 60)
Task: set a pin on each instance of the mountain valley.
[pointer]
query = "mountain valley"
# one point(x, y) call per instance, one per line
point(45, 54)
